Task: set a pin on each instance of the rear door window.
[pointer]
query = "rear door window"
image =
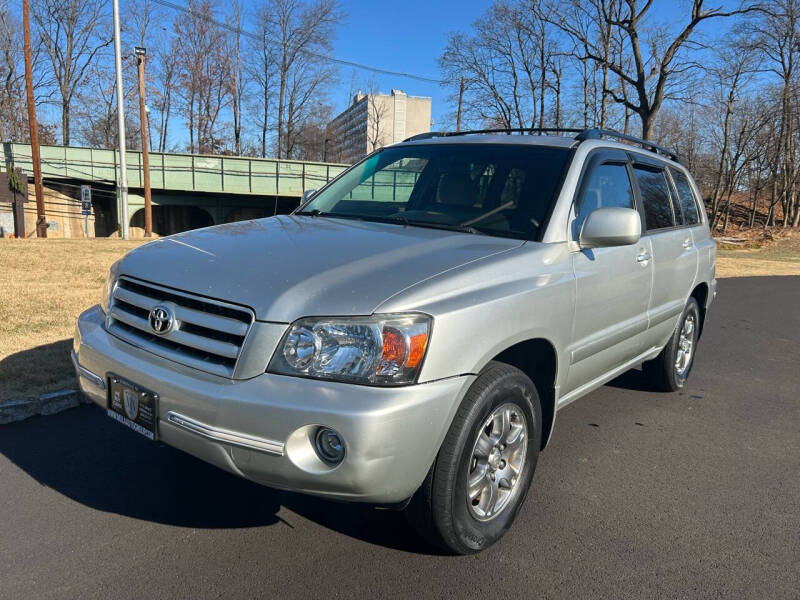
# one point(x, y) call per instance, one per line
point(606, 185)
point(655, 198)
point(691, 216)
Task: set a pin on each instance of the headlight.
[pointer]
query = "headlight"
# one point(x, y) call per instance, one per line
point(108, 287)
point(377, 350)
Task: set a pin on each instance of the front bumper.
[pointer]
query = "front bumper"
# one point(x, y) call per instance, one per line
point(262, 428)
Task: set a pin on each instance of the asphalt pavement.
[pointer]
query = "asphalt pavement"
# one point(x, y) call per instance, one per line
point(640, 494)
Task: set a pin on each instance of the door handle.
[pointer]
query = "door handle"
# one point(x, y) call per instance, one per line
point(643, 257)
point(687, 243)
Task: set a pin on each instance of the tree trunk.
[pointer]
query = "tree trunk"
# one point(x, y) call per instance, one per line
point(542, 80)
point(65, 122)
point(647, 117)
point(603, 108)
point(558, 98)
point(264, 132)
point(281, 95)
point(585, 95)
point(162, 144)
point(752, 220)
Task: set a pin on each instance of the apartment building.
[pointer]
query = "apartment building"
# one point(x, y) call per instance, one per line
point(375, 120)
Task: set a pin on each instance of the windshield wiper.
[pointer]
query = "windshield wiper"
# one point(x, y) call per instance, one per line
point(336, 215)
point(398, 219)
point(310, 213)
point(488, 214)
point(445, 226)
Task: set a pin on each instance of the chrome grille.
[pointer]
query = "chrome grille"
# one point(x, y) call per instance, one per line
point(207, 334)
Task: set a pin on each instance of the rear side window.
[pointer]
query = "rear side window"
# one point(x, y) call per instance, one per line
point(606, 185)
point(688, 203)
point(655, 198)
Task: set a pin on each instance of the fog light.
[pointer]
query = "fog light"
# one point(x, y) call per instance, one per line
point(329, 446)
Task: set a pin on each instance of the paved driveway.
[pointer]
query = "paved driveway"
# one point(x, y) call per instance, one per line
point(640, 494)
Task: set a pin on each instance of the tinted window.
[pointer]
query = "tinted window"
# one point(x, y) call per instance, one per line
point(606, 185)
point(505, 190)
point(688, 203)
point(676, 204)
point(655, 198)
point(392, 184)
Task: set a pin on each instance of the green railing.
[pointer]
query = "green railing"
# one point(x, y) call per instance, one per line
point(178, 172)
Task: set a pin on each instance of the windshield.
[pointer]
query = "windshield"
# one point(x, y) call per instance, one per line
point(496, 189)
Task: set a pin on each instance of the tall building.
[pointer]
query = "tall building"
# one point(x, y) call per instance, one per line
point(375, 120)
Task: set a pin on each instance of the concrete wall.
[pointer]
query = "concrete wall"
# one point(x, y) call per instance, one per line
point(6, 220)
point(63, 213)
point(418, 115)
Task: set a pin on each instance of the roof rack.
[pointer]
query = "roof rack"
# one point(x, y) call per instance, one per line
point(597, 134)
point(581, 136)
point(529, 130)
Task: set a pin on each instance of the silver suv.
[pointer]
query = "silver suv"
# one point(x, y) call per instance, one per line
point(408, 335)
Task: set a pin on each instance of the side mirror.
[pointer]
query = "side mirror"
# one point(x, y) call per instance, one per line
point(611, 226)
point(306, 195)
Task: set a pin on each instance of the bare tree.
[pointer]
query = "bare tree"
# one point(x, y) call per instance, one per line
point(778, 37)
point(737, 63)
point(658, 59)
point(12, 78)
point(165, 62)
point(377, 115)
point(308, 140)
point(262, 68)
point(300, 33)
point(237, 70)
point(70, 31)
point(500, 65)
point(203, 75)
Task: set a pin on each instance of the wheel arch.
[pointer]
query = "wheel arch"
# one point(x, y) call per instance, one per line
point(700, 293)
point(537, 358)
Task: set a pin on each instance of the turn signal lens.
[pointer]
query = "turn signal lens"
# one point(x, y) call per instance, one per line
point(418, 345)
point(394, 351)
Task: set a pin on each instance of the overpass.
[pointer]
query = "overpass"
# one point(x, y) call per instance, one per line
point(188, 190)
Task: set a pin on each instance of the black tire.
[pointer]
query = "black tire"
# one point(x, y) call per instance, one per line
point(440, 510)
point(661, 372)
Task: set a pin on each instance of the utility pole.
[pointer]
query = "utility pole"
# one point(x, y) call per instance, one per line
point(123, 165)
point(41, 219)
point(148, 207)
point(460, 100)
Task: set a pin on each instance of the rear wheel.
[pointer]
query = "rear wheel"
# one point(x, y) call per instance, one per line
point(485, 465)
point(670, 369)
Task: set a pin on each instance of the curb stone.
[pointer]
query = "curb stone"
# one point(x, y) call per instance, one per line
point(46, 404)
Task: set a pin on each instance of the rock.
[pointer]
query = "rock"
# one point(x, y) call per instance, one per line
point(46, 404)
point(17, 410)
point(55, 402)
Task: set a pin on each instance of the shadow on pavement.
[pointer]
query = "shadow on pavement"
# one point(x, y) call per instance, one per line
point(632, 380)
point(90, 459)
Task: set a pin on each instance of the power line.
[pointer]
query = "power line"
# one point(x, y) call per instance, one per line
point(338, 61)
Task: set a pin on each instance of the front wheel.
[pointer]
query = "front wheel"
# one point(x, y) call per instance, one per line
point(670, 369)
point(485, 465)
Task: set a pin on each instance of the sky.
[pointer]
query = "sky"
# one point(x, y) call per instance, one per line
point(410, 36)
point(406, 36)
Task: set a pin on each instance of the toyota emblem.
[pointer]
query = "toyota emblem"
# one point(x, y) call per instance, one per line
point(161, 319)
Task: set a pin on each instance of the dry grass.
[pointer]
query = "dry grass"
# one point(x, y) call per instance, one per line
point(44, 285)
point(777, 253)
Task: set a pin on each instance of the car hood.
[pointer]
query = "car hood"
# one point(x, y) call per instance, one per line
point(289, 267)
